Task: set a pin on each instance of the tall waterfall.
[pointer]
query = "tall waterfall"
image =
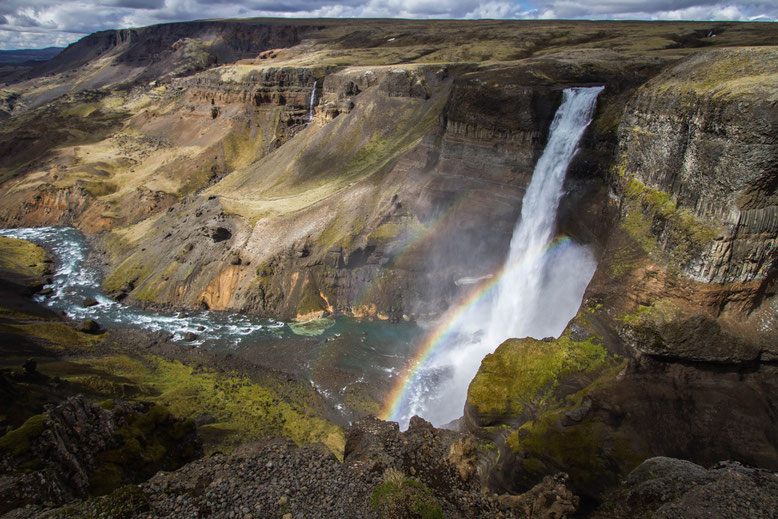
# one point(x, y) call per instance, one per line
point(539, 289)
point(311, 106)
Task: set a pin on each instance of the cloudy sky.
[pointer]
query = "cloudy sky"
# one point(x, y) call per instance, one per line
point(43, 23)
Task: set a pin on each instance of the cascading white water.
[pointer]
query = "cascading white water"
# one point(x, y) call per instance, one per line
point(311, 107)
point(540, 288)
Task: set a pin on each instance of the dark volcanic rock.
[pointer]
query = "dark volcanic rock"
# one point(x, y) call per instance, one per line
point(89, 326)
point(549, 499)
point(276, 478)
point(78, 448)
point(664, 488)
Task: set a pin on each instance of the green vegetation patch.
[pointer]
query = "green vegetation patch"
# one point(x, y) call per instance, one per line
point(358, 398)
point(17, 442)
point(592, 453)
point(399, 496)
point(523, 374)
point(238, 409)
point(56, 332)
point(21, 261)
point(726, 73)
point(97, 188)
point(310, 300)
point(132, 270)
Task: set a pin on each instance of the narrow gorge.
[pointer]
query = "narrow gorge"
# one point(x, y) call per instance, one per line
point(240, 250)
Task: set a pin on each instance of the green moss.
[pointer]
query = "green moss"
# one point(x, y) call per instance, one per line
point(660, 311)
point(17, 442)
point(243, 410)
point(150, 289)
point(310, 300)
point(97, 188)
point(522, 374)
point(56, 332)
point(386, 232)
point(732, 73)
point(357, 398)
point(594, 455)
point(21, 261)
point(131, 270)
point(649, 213)
point(332, 232)
point(141, 448)
point(405, 498)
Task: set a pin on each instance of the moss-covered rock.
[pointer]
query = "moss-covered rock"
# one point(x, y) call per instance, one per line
point(590, 451)
point(669, 234)
point(77, 449)
point(665, 329)
point(149, 441)
point(524, 376)
point(17, 441)
point(239, 409)
point(22, 263)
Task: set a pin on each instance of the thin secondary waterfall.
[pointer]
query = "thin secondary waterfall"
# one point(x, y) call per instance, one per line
point(311, 106)
point(536, 294)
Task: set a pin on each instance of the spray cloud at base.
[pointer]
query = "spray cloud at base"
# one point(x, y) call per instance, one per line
point(536, 292)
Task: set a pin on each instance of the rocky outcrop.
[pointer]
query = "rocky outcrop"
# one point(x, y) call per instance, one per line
point(284, 86)
point(549, 499)
point(665, 329)
point(665, 487)
point(77, 449)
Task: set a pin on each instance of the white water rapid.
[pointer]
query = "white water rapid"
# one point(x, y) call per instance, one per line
point(540, 288)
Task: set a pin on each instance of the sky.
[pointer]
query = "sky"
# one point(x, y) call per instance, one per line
point(31, 24)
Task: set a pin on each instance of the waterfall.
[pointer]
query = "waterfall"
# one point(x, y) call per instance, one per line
point(539, 289)
point(311, 102)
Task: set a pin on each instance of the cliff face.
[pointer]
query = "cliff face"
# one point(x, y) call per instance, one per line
point(704, 133)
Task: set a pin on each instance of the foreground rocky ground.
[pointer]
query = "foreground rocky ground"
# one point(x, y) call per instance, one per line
point(423, 472)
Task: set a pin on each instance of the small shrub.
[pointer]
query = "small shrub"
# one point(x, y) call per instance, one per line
point(399, 497)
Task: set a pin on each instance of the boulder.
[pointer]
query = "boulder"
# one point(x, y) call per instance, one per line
point(549, 499)
point(663, 488)
point(89, 326)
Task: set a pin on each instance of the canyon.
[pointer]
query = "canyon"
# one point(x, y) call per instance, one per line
point(315, 170)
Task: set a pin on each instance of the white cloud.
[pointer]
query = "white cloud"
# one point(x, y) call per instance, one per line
point(43, 23)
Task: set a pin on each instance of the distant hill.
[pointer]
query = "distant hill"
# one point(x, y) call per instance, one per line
point(22, 55)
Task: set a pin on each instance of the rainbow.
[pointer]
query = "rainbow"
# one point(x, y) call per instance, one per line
point(447, 325)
